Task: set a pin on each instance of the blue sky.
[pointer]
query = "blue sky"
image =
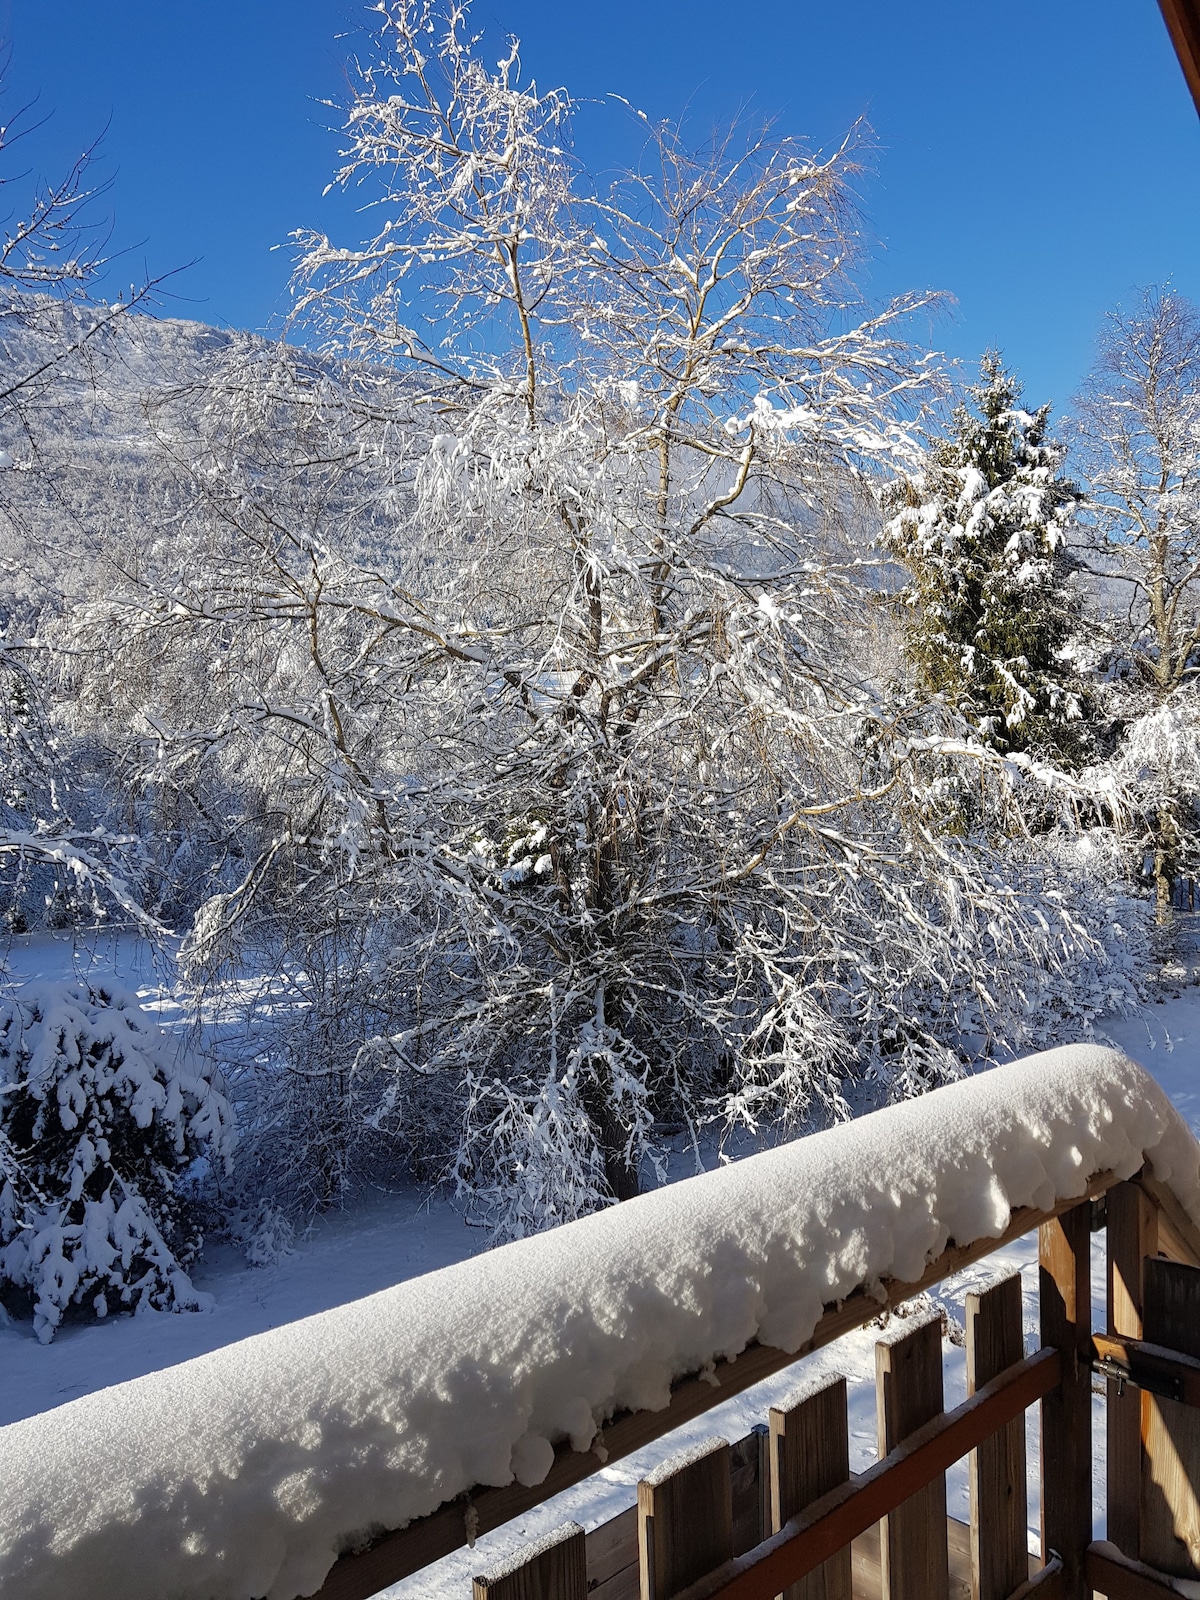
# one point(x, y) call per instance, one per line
point(1036, 159)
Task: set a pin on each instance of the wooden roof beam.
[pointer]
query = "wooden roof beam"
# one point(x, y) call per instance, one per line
point(1183, 24)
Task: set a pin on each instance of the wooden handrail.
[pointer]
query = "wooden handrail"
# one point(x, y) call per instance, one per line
point(359, 1575)
point(839, 1517)
point(1119, 1578)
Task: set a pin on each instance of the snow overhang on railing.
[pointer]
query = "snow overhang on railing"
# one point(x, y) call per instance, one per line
point(246, 1472)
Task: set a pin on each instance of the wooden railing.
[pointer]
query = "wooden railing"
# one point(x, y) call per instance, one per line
point(780, 1514)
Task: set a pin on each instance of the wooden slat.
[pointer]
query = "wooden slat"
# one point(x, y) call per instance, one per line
point(1119, 1578)
point(750, 1479)
point(810, 1455)
point(1132, 1236)
point(1064, 1252)
point(842, 1515)
point(1171, 1430)
point(909, 1394)
point(554, 1569)
point(1178, 1235)
point(999, 1545)
point(1182, 18)
point(685, 1520)
point(398, 1554)
point(612, 1558)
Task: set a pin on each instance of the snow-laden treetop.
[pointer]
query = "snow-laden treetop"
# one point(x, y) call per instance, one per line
point(243, 1473)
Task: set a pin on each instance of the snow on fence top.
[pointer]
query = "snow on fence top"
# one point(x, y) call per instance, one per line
point(246, 1471)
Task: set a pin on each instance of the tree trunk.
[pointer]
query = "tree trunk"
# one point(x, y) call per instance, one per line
point(1166, 861)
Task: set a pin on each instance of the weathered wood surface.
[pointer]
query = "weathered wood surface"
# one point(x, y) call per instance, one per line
point(908, 1394)
point(685, 1521)
point(1117, 1577)
point(1132, 1236)
point(396, 1555)
point(999, 1543)
point(558, 1571)
point(1178, 1235)
point(1170, 1533)
point(810, 1455)
point(1064, 1288)
point(841, 1516)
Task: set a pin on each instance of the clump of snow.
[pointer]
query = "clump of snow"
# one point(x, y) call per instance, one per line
point(245, 1472)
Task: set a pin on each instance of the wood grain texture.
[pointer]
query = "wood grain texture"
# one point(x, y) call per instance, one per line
point(685, 1522)
point(1132, 1236)
point(908, 1394)
point(844, 1514)
point(1064, 1275)
point(396, 1555)
point(1178, 1235)
point(1170, 1429)
point(999, 1544)
point(1119, 1578)
point(810, 1455)
point(556, 1571)
point(1182, 18)
point(612, 1558)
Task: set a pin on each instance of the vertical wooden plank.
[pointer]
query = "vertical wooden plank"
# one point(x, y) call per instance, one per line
point(554, 1568)
point(685, 1519)
point(1132, 1223)
point(999, 1545)
point(1171, 1431)
point(810, 1455)
point(1064, 1279)
point(908, 1389)
point(750, 1476)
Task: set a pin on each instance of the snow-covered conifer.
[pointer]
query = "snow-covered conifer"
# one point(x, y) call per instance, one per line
point(991, 606)
point(100, 1115)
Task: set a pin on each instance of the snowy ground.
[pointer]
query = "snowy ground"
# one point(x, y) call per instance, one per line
point(397, 1236)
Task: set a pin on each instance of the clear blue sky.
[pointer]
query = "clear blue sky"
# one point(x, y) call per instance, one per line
point(1036, 158)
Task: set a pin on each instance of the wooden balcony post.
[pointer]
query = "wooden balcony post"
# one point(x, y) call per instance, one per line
point(1065, 1294)
point(999, 1542)
point(1132, 1223)
point(810, 1455)
point(909, 1392)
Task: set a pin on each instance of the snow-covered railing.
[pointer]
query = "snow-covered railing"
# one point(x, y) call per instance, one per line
point(452, 1403)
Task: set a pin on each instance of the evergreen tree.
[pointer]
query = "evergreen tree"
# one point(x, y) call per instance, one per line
point(99, 1118)
point(991, 611)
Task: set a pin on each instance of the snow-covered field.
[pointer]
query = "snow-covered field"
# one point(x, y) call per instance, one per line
point(393, 1238)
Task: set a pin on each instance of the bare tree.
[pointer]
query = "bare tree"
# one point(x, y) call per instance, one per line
point(527, 646)
point(1137, 439)
point(52, 330)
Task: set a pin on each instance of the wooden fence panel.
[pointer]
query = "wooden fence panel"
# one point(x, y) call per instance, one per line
point(685, 1520)
point(909, 1393)
point(1170, 1429)
point(999, 1543)
point(810, 1455)
point(554, 1568)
